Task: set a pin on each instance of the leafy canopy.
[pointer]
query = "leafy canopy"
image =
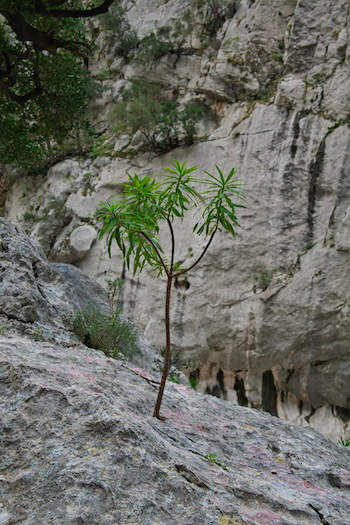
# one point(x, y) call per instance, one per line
point(134, 221)
point(44, 84)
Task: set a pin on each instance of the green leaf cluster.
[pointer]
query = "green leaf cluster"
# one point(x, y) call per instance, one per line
point(221, 209)
point(164, 40)
point(124, 37)
point(134, 221)
point(44, 84)
point(161, 121)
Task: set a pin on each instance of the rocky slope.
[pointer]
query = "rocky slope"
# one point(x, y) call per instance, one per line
point(78, 444)
point(265, 319)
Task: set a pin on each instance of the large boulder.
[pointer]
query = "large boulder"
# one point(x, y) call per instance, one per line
point(32, 290)
point(80, 289)
point(79, 445)
point(41, 298)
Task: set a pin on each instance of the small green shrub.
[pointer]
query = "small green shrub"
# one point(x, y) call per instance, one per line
point(172, 378)
point(161, 42)
point(162, 123)
point(2, 330)
point(213, 458)
point(133, 222)
point(38, 334)
point(114, 287)
point(100, 148)
point(29, 217)
point(263, 278)
point(193, 382)
point(112, 334)
point(124, 36)
point(345, 442)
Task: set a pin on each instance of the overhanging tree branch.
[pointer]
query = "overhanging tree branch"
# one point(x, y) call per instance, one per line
point(42, 40)
point(74, 13)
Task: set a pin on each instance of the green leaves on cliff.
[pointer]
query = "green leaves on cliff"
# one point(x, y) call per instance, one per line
point(162, 123)
point(221, 210)
point(44, 84)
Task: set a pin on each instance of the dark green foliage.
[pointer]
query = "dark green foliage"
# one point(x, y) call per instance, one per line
point(122, 33)
point(161, 42)
point(193, 382)
point(112, 334)
point(345, 442)
point(44, 84)
point(161, 121)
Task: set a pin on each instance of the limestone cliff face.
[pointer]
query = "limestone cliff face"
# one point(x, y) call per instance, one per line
point(265, 320)
point(79, 444)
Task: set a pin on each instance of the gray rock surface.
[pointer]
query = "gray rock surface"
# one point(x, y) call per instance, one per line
point(32, 290)
point(81, 239)
point(265, 321)
point(81, 291)
point(78, 445)
point(40, 299)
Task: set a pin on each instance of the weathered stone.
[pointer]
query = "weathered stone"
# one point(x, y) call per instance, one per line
point(81, 291)
point(79, 445)
point(291, 93)
point(81, 239)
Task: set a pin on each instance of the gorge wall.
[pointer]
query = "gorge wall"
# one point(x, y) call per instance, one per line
point(264, 321)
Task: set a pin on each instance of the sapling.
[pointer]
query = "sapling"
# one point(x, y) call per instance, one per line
point(133, 222)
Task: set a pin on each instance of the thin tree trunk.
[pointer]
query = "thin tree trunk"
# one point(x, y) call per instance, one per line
point(167, 356)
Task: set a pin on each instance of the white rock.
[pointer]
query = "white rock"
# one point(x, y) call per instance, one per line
point(81, 240)
point(290, 94)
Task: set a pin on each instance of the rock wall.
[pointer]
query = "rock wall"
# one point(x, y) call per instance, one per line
point(264, 320)
point(79, 446)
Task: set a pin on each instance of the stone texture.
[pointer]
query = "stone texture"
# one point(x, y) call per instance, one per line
point(40, 299)
point(264, 321)
point(81, 291)
point(79, 445)
point(81, 239)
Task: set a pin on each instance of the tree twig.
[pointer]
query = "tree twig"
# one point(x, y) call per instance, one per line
point(200, 257)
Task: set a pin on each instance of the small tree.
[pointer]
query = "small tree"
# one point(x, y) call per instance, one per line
point(134, 222)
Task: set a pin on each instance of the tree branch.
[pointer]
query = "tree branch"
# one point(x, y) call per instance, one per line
point(41, 40)
point(172, 243)
point(74, 13)
point(157, 252)
point(201, 256)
